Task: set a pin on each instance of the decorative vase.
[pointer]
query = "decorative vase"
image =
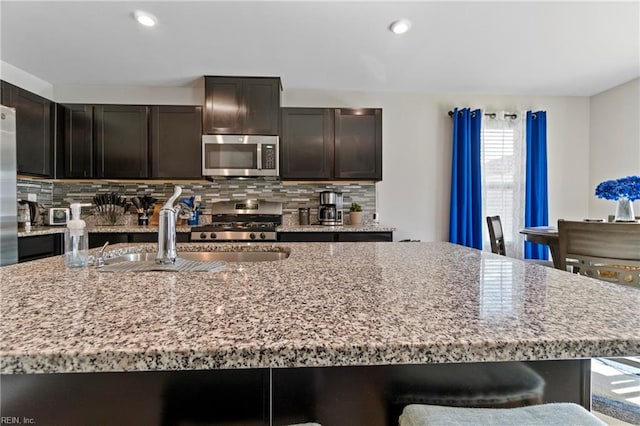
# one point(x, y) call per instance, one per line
point(624, 210)
point(356, 218)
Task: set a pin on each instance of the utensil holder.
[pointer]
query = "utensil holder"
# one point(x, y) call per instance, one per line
point(303, 215)
point(195, 218)
point(143, 219)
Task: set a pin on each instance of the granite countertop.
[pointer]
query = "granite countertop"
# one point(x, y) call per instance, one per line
point(328, 304)
point(46, 230)
point(340, 228)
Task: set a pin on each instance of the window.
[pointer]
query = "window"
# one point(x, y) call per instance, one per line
point(503, 174)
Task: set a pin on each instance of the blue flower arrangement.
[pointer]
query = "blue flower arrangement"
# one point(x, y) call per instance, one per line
point(628, 187)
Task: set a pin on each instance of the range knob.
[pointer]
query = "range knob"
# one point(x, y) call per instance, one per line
point(203, 235)
point(262, 236)
point(252, 236)
point(213, 235)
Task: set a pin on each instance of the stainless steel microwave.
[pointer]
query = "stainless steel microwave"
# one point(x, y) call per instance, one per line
point(240, 155)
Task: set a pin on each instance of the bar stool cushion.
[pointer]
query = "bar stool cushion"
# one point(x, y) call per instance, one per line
point(491, 385)
point(552, 414)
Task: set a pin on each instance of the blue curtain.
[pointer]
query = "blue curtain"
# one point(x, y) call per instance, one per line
point(536, 205)
point(465, 215)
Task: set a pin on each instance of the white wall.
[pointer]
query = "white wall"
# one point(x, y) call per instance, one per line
point(615, 141)
point(414, 193)
point(140, 95)
point(27, 81)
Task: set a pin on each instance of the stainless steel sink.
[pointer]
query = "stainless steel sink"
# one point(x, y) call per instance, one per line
point(207, 256)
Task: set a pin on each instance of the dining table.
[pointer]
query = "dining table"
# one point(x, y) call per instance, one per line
point(547, 235)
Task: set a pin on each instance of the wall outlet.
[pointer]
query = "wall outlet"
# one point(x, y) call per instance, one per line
point(32, 197)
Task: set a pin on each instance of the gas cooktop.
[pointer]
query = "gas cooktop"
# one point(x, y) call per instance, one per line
point(241, 220)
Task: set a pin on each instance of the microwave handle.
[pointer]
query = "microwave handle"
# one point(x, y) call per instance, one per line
point(259, 154)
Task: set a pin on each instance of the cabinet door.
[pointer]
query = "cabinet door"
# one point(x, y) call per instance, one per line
point(358, 144)
point(308, 237)
point(365, 236)
point(33, 130)
point(176, 141)
point(223, 105)
point(39, 246)
point(78, 141)
point(121, 141)
point(98, 239)
point(261, 99)
point(306, 145)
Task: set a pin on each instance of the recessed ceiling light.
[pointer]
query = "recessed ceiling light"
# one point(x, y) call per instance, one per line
point(146, 19)
point(400, 26)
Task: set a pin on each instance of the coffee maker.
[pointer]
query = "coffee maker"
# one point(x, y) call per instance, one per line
point(330, 210)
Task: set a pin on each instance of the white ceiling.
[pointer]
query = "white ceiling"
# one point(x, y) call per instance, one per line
point(546, 48)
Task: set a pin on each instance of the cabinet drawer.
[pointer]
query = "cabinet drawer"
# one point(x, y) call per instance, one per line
point(298, 237)
point(98, 239)
point(39, 246)
point(365, 236)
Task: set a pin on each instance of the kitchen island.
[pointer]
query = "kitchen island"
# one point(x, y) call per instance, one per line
point(347, 306)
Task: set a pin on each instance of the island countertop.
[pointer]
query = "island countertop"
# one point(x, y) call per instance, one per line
point(328, 304)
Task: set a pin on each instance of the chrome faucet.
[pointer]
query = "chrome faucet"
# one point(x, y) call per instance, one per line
point(167, 228)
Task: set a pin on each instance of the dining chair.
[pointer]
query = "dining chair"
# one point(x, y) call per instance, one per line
point(496, 236)
point(606, 251)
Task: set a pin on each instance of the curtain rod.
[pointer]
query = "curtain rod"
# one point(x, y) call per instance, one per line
point(493, 115)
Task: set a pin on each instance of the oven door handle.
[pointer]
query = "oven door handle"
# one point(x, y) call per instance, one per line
point(259, 154)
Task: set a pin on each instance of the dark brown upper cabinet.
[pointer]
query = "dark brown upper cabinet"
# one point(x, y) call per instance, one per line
point(78, 141)
point(242, 105)
point(175, 145)
point(121, 139)
point(331, 143)
point(306, 145)
point(34, 130)
point(358, 144)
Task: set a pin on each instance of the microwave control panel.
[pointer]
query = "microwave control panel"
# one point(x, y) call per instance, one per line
point(269, 156)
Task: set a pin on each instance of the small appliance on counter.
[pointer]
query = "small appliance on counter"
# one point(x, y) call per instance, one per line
point(330, 210)
point(58, 216)
point(303, 215)
point(24, 217)
point(36, 211)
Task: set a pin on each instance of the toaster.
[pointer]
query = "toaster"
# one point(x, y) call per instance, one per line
point(58, 216)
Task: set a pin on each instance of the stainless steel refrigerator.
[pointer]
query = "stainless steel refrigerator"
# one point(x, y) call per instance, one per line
point(8, 189)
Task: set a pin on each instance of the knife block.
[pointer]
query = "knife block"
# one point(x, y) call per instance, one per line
point(155, 216)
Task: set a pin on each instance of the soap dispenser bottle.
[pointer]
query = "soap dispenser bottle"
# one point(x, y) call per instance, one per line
point(76, 239)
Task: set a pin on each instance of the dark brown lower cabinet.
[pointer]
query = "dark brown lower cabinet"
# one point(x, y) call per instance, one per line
point(97, 239)
point(215, 397)
point(40, 246)
point(333, 237)
point(354, 396)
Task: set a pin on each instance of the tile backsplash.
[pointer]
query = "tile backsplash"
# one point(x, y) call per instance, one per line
point(42, 189)
point(292, 196)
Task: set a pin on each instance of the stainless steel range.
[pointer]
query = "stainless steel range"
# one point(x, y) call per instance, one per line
point(241, 220)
